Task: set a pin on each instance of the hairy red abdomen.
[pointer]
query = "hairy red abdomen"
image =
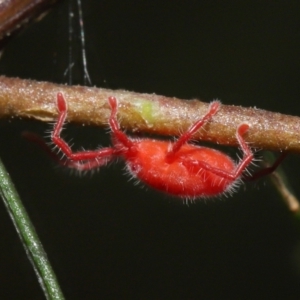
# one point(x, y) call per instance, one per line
point(147, 161)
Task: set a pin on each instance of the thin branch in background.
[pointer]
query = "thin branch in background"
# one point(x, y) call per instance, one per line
point(31, 243)
point(15, 14)
point(280, 182)
point(291, 201)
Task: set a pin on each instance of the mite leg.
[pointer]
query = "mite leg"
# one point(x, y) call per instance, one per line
point(98, 155)
point(185, 137)
point(242, 165)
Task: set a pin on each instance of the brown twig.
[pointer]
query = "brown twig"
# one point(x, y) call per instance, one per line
point(16, 13)
point(148, 113)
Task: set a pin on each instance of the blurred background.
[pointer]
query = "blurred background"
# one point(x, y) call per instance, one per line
point(109, 239)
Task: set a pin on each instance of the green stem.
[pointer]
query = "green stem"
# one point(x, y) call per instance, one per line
point(28, 236)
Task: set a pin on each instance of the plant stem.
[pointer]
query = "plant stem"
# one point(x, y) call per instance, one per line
point(149, 113)
point(28, 236)
point(14, 14)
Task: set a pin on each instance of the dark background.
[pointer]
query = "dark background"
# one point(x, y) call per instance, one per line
point(109, 239)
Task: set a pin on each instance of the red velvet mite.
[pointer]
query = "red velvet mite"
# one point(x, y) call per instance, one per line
point(177, 168)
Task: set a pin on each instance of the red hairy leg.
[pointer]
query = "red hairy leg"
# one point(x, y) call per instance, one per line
point(120, 138)
point(100, 155)
point(185, 137)
point(247, 158)
point(65, 162)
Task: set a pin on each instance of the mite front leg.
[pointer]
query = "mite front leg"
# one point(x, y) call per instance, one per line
point(94, 157)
